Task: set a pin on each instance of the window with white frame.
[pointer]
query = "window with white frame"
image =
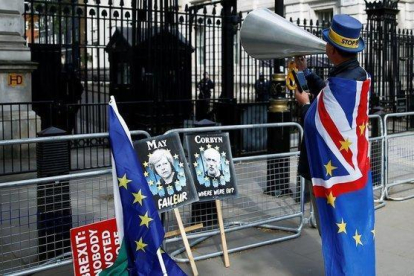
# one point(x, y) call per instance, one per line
point(236, 48)
point(324, 15)
point(200, 35)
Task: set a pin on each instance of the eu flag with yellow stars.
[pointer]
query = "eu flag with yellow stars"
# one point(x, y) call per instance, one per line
point(138, 222)
point(338, 153)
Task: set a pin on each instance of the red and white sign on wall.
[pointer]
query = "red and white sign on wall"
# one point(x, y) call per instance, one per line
point(94, 247)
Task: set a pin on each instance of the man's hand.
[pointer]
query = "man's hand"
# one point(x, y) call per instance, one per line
point(301, 63)
point(302, 98)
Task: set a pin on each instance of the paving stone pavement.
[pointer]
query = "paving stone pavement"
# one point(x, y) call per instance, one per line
point(302, 256)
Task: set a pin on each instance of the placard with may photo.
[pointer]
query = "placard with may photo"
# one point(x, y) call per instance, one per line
point(166, 171)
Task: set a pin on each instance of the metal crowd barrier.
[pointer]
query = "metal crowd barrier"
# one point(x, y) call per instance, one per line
point(90, 199)
point(376, 143)
point(264, 219)
point(399, 156)
point(258, 218)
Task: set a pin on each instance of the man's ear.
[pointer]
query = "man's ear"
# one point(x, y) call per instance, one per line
point(331, 50)
point(334, 50)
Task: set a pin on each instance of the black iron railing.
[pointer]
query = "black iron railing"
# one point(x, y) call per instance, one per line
point(151, 57)
point(19, 121)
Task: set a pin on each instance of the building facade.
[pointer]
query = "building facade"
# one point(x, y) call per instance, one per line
point(324, 9)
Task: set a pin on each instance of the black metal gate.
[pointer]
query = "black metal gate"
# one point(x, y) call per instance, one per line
point(152, 56)
point(148, 53)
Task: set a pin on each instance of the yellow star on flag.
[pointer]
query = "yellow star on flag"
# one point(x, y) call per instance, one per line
point(331, 199)
point(198, 172)
point(195, 164)
point(140, 245)
point(357, 238)
point(345, 144)
point(145, 220)
point(146, 174)
point(208, 146)
point(201, 149)
point(223, 154)
point(169, 187)
point(216, 148)
point(138, 197)
point(149, 155)
point(145, 164)
point(159, 187)
point(151, 182)
point(196, 155)
point(362, 128)
point(206, 178)
point(123, 182)
point(373, 233)
point(175, 156)
point(329, 168)
point(177, 182)
point(181, 165)
point(342, 227)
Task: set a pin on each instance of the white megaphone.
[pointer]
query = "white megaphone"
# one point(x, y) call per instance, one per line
point(266, 35)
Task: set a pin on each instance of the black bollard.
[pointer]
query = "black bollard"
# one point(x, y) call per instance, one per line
point(278, 172)
point(54, 214)
point(204, 212)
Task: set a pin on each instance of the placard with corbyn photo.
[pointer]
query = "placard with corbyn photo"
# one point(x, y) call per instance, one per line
point(212, 165)
point(166, 171)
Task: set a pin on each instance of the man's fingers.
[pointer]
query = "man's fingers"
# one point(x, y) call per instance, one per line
point(302, 98)
point(297, 94)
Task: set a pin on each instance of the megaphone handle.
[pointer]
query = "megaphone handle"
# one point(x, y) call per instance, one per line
point(290, 79)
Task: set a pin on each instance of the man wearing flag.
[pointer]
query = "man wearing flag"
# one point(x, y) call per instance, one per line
point(138, 222)
point(335, 153)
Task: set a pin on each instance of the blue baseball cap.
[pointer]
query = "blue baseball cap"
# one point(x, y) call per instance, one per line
point(345, 34)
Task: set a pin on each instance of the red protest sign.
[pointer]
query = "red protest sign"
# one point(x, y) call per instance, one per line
point(94, 247)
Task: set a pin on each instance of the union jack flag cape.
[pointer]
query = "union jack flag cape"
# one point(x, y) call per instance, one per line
point(338, 154)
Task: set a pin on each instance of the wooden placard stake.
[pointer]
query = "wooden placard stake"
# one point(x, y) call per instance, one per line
point(170, 234)
point(186, 243)
point(222, 234)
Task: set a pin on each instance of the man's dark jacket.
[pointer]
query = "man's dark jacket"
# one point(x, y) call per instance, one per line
point(350, 70)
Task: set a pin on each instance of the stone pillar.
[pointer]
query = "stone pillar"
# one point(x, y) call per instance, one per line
point(15, 74)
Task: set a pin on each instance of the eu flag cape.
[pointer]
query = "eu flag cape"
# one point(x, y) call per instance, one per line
point(138, 222)
point(338, 154)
